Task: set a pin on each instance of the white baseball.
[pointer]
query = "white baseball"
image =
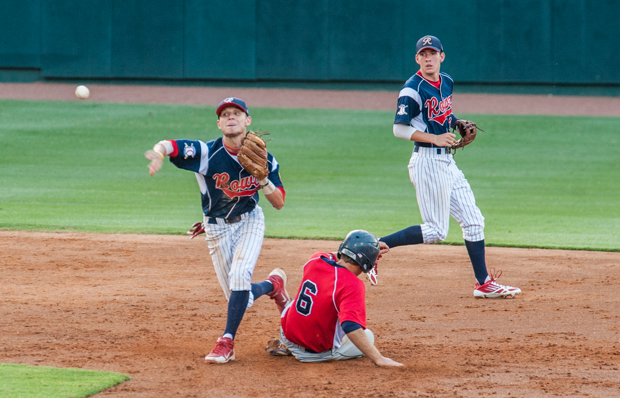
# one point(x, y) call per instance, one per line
point(82, 92)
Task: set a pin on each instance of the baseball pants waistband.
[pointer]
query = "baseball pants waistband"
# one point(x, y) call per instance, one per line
point(438, 151)
point(213, 220)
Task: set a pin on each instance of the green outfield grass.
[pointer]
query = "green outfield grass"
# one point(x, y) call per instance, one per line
point(540, 181)
point(44, 382)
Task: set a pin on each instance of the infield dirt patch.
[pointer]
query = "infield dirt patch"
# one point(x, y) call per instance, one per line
point(151, 307)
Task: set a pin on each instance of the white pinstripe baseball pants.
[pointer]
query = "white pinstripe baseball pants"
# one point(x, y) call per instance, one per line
point(234, 250)
point(442, 191)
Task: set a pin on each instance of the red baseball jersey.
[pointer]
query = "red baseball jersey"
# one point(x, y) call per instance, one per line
point(329, 295)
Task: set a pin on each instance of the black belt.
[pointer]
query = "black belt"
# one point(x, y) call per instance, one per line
point(310, 351)
point(213, 220)
point(448, 150)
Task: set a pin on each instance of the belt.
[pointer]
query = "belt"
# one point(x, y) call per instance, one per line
point(448, 150)
point(213, 220)
point(308, 350)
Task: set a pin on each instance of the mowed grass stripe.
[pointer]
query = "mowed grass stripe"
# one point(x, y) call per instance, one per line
point(540, 181)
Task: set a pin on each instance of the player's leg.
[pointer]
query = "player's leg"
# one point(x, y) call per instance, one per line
point(468, 215)
point(464, 210)
point(246, 241)
point(348, 350)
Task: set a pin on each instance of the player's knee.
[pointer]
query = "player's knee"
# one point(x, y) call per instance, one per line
point(435, 237)
point(473, 233)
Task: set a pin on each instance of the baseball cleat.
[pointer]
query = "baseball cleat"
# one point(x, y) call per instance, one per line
point(277, 277)
point(276, 348)
point(223, 351)
point(373, 276)
point(492, 289)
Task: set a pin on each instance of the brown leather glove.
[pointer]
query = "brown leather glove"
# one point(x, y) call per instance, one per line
point(467, 129)
point(253, 155)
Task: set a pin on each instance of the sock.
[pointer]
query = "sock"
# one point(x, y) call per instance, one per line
point(264, 287)
point(476, 255)
point(408, 236)
point(236, 309)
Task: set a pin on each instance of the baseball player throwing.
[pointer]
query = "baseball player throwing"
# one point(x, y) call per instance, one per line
point(233, 222)
point(327, 319)
point(424, 115)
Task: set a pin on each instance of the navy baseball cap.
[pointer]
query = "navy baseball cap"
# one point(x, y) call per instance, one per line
point(428, 42)
point(232, 101)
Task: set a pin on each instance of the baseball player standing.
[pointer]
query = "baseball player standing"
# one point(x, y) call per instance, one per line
point(233, 221)
point(424, 115)
point(327, 319)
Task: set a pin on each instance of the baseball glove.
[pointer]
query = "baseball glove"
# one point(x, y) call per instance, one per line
point(467, 129)
point(276, 348)
point(253, 155)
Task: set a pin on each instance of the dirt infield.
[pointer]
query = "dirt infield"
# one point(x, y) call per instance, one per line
point(151, 307)
point(301, 98)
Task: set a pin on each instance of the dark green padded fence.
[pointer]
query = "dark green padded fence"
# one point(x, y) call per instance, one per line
point(491, 41)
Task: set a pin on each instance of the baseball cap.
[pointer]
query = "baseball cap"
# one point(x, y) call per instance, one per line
point(428, 42)
point(232, 101)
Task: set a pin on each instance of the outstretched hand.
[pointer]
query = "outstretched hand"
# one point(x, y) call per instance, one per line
point(383, 361)
point(156, 161)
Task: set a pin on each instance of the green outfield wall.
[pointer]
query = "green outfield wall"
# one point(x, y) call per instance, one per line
point(493, 41)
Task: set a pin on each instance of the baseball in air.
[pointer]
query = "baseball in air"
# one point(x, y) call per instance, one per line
point(82, 92)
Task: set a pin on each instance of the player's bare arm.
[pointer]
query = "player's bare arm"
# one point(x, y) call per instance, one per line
point(359, 338)
point(156, 156)
point(407, 132)
point(275, 198)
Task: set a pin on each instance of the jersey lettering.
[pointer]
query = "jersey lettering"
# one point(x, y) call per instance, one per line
point(246, 186)
point(305, 300)
point(438, 111)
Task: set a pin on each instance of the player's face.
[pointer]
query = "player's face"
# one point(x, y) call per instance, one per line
point(430, 63)
point(233, 121)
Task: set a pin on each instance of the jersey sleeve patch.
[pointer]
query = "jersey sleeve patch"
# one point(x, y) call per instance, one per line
point(407, 107)
point(189, 155)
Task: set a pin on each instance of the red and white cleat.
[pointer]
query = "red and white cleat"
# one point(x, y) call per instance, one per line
point(492, 289)
point(223, 351)
point(277, 277)
point(373, 276)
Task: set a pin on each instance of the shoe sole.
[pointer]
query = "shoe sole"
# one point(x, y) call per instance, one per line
point(495, 295)
point(280, 272)
point(220, 359)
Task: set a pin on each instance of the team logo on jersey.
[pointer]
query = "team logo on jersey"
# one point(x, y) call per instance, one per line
point(189, 151)
point(401, 109)
point(246, 186)
point(438, 112)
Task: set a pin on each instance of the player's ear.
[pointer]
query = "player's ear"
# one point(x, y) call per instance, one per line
point(442, 56)
point(248, 121)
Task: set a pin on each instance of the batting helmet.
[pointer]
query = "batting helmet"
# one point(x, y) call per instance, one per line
point(362, 247)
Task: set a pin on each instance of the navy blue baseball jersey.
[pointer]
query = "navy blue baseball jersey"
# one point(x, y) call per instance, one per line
point(227, 189)
point(424, 106)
